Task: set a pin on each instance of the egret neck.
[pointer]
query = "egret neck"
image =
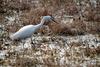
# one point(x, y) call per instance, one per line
point(38, 26)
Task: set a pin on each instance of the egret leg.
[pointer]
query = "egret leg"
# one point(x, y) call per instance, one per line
point(23, 42)
point(32, 44)
point(33, 40)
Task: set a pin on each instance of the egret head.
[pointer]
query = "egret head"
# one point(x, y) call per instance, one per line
point(48, 19)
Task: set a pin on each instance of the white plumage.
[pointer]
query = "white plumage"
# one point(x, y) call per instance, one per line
point(27, 31)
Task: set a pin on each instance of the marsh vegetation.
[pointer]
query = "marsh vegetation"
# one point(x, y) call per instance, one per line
point(73, 42)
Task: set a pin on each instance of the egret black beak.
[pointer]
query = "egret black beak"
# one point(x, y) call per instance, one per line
point(53, 20)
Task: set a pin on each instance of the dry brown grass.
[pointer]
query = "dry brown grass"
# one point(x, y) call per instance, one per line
point(24, 62)
point(60, 28)
point(31, 14)
point(34, 16)
point(51, 7)
point(91, 13)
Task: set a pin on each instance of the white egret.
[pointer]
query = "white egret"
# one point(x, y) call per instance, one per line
point(27, 31)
